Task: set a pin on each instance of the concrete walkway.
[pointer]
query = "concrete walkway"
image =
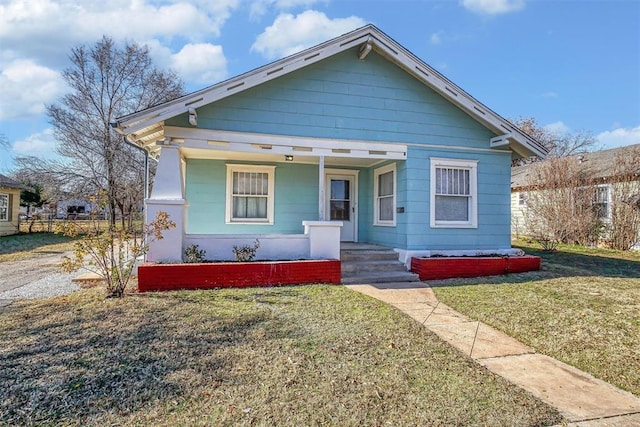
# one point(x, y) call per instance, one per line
point(584, 400)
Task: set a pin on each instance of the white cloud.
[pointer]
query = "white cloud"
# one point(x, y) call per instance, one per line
point(290, 34)
point(557, 128)
point(41, 144)
point(259, 7)
point(47, 29)
point(202, 63)
point(435, 38)
point(549, 94)
point(493, 7)
point(26, 88)
point(619, 137)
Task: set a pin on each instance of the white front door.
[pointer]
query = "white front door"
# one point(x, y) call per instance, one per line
point(342, 196)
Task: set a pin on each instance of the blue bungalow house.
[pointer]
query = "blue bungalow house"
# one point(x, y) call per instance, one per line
point(353, 140)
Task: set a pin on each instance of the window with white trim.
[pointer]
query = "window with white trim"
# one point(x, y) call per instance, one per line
point(4, 207)
point(384, 189)
point(454, 193)
point(523, 199)
point(601, 201)
point(250, 194)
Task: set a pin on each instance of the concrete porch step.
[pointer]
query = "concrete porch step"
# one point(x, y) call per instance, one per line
point(368, 255)
point(363, 267)
point(366, 263)
point(381, 277)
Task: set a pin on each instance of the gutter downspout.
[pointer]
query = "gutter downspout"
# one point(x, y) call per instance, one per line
point(146, 173)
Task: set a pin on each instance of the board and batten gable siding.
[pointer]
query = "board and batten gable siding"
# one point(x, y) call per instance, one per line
point(345, 98)
point(296, 198)
point(11, 226)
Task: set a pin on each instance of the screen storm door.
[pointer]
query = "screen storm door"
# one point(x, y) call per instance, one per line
point(341, 191)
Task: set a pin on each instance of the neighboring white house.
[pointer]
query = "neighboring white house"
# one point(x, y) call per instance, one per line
point(602, 169)
point(74, 208)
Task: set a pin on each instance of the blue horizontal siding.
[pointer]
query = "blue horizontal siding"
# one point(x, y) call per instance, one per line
point(296, 199)
point(372, 100)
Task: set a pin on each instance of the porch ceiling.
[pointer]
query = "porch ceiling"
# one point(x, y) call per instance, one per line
point(215, 144)
point(195, 153)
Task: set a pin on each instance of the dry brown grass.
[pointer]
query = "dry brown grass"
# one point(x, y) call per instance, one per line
point(309, 355)
point(583, 308)
point(26, 246)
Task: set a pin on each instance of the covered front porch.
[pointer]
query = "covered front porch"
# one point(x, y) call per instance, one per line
point(311, 193)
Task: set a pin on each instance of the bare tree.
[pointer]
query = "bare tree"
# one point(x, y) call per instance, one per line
point(4, 141)
point(106, 82)
point(558, 144)
point(623, 232)
point(560, 204)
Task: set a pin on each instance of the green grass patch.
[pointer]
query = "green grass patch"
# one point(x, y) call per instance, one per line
point(29, 245)
point(308, 355)
point(583, 308)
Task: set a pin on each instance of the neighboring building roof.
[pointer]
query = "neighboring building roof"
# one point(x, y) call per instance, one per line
point(600, 165)
point(145, 128)
point(6, 182)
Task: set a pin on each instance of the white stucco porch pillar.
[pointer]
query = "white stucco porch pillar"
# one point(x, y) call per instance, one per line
point(324, 239)
point(168, 196)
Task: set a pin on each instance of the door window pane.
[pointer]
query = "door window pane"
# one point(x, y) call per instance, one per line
point(340, 189)
point(339, 210)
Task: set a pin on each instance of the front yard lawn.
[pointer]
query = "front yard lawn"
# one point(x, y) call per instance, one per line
point(30, 245)
point(308, 355)
point(583, 308)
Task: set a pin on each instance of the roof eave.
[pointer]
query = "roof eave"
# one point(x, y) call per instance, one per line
point(144, 122)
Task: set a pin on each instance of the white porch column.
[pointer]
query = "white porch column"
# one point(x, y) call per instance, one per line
point(168, 196)
point(324, 239)
point(321, 189)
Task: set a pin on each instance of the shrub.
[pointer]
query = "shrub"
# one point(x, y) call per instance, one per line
point(246, 252)
point(193, 254)
point(112, 253)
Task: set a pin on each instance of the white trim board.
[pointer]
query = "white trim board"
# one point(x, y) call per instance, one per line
point(150, 121)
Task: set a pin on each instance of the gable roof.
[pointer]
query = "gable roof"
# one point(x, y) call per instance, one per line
point(600, 165)
point(145, 128)
point(6, 182)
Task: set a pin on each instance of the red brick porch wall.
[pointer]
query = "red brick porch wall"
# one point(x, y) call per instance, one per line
point(163, 277)
point(449, 267)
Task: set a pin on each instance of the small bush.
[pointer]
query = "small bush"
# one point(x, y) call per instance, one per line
point(193, 254)
point(245, 252)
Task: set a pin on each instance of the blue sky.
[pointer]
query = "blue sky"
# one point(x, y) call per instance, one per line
point(573, 65)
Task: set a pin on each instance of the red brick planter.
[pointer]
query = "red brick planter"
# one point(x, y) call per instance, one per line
point(164, 277)
point(449, 267)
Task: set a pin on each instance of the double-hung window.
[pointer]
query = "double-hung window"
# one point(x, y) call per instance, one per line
point(454, 193)
point(4, 207)
point(385, 195)
point(601, 201)
point(250, 194)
